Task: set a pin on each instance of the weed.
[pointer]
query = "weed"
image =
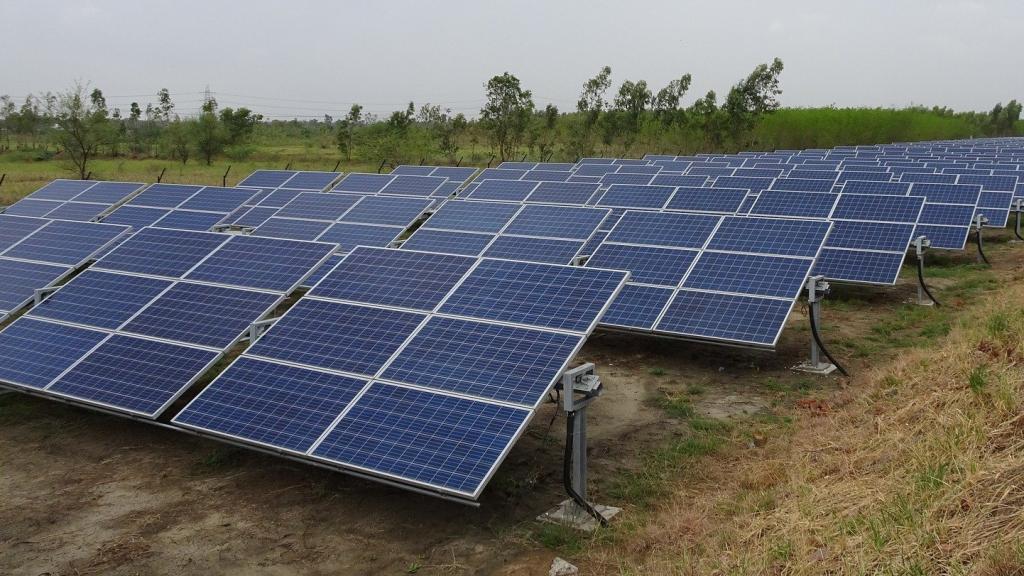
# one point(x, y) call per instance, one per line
point(977, 379)
point(656, 371)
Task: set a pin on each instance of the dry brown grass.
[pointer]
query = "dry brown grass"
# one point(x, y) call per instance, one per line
point(916, 468)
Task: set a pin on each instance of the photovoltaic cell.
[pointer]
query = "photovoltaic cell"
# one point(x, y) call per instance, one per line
point(135, 216)
point(214, 199)
point(161, 252)
point(348, 236)
point(21, 279)
point(802, 185)
point(69, 243)
point(392, 211)
point(636, 196)
point(794, 204)
point(712, 199)
point(30, 207)
point(267, 178)
point(507, 190)
point(732, 318)
point(887, 236)
point(577, 193)
point(770, 236)
point(880, 208)
point(749, 274)
point(569, 222)
point(528, 249)
point(109, 193)
point(413, 185)
point(869, 187)
point(365, 183)
point(311, 180)
point(14, 229)
point(291, 229)
point(637, 307)
point(33, 352)
point(468, 216)
point(164, 195)
point(262, 263)
point(859, 265)
point(646, 264)
point(464, 243)
point(190, 220)
point(62, 190)
point(664, 229)
point(318, 206)
point(100, 299)
point(77, 211)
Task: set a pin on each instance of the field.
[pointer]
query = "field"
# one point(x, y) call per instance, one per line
point(725, 461)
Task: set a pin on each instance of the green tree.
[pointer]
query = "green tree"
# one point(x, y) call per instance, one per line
point(347, 130)
point(178, 139)
point(238, 124)
point(666, 102)
point(506, 114)
point(82, 124)
point(631, 103)
point(752, 98)
point(207, 133)
point(590, 106)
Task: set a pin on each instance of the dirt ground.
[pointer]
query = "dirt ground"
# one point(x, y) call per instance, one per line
point(87, 493)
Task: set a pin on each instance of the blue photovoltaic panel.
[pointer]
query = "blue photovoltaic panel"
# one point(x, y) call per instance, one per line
point(637, 307)
point(311, 180)
point(859, 266)
point(422, 437)
point(189, 220)
point(365, 183)
point(408, 170)
point(597, 170)
point(100, 299)
point(794, 204)
point(749, 274)
point(135, 216)
point(62, 190)
point(499, 174)
point(517, 165)
point(508, 190)
point(862, 175)
point(109, 192)
point(413, 185)
point(337, 336)
point(273, 404)
point(994, 217)
point(638, 169)
point(464, 243)
point(560, 297)
point(292, 229)
point(205, 315)
point(447, 189)
point(348, 236)
point(164, 195)
point(68, 243)
point(696, 199)
point(807, 174)
point(555, 166)
point(996, 207)
point(578, 193)
point(741, 319)
point(878, 208)
point(267, 178)
point(387, 211)
point(318, 206)
point(646, 264)
point(404, 279)
point(888, 236)
point(990, 183)
point(547, 176)
point(19, 281)
point(77, 211)
point(758, 172)
point(276, 199)
point(252, 217)
point(770, 236)
point(632, 179)
point(454, 173)
point(486, 360)
point(323, 270)
point(712, 171)
point(14, 229)
point(664, 229)
point(574, 223)
point(467, 216)
point(544, 250)
point(944, 237)
point(29, 207)
point(593, 243)
point(161, 252)
point(869, 187)
point(928, 178)
point(216, 199)
point(262, 263)
point(33, 352)
point(802, 185)
point(133, 374)
point(636, 196)
point(948, 193)
point(744, 183)
point(947, 214)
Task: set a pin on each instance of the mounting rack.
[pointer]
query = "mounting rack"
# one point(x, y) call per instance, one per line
point(924, 296)
point(816, 289)
point(1018, 207)
point(579, 387)
point(979, 222)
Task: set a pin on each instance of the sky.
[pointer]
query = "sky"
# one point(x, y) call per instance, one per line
point(307, 58)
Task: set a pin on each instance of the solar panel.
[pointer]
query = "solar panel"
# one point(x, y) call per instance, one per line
point(469, 216)
point(21, 279)
point(392, 211)
point(62, 190)
point(529, 249)
point(311, 180)
point(253, 217)
point(262, 263)
point(267, 178)
point(948, 193)
point(637, 307)
point(214, 199)
point(802, 185)
point(164, 195)
point(454, 173)
point(30, 207)
point(68, 243)
point(275, 199)
point(134, 375)
point(928, 178)
point(77, 211)
point(748, 274)
point(100, 299)
point(424, 438)
point(647, 264)
point(712, 199)
point(862, 266)
point(108, 193)
point(556, 222)
point(291, 229)
point(636, 196)
point(769, 236)
point(500, 174)
point(794, 204)
point(14, 229)
point(448, 242)
point(990, 183)
point(664, 229)
point(318, 206)
point(34, 352)
point(413, 185)
point(546, 175)
point(506, 190)
point(995, 206)
point(865, 176)
point(135, 216)
point(576, 193)
point(213, 316)
point(161, 252)
point(744, 183)
point(190, 220)
point(348, 236)
point(597, 170)
point(725, 317)
point(364, 183)
point(626, 179)
point(408, 170)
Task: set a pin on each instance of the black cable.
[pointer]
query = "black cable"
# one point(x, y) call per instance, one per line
point(920, 278)
point(817, 339)
point(1016, 228)
point(980, 251)
point(570, 439)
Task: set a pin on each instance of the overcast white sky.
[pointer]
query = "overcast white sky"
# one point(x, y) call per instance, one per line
point(307, 58)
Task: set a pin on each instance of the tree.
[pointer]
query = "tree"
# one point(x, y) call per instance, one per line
point(82, 126)
point(347, 130)
point(135, 113)
point(751, 98)
point(400, 120)
point(590, 106)
point(165, 107)
point(506, 114)
point(178, 139)
point(631, 102)
point(443, 128)
point(207, 133)
point(666, 102)
point(238, 124)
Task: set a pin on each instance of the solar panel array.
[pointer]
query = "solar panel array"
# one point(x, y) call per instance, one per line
point(418, 368)
point(78, 200)
point(138, 328)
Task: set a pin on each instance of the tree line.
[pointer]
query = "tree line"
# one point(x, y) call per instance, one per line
point(628, 121)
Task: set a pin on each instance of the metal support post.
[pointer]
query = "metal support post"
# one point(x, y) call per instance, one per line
point(979, 222)
point(816, 289)
point(257, 328)
point(1018, 207)
point(40, 294)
